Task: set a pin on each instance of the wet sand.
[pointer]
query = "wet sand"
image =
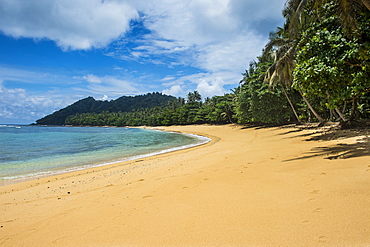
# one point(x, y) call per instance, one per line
point(247, 187)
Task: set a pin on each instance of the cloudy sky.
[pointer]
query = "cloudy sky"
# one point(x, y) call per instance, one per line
point(54, 52)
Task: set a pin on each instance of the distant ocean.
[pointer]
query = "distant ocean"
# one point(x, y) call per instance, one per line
point(31, 151)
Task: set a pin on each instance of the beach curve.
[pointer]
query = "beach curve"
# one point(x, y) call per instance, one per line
point(248, 186)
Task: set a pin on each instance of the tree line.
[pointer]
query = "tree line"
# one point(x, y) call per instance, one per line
point(180, 111)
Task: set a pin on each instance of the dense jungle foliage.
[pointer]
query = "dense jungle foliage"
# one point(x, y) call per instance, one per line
point(314, 68)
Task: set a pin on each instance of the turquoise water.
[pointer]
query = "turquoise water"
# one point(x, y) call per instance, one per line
point(29, 151)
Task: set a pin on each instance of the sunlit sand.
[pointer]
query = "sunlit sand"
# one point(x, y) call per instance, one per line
point(247, 187)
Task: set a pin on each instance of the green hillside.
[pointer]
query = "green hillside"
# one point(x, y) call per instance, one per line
point(122, 104)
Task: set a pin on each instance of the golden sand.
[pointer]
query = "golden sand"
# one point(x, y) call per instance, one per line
point(247, 187)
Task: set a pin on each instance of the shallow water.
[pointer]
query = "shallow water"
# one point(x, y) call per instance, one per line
point(28, 151)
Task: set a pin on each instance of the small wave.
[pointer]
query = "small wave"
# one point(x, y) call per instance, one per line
point(9, 126)
point(31, 175)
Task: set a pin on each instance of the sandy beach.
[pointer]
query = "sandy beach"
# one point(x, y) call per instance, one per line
point(249, 186)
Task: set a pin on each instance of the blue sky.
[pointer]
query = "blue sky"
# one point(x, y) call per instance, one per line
point(55, 52)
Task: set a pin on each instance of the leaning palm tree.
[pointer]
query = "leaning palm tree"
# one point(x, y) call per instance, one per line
point(277, 72)
point(283, 48)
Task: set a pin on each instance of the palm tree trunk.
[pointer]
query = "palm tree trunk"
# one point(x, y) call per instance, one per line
point(229, 116)
point(344, 107)
point(290, 103)
point(353, 109)
point(366, 3)
point(341, 115)
point(321, 120)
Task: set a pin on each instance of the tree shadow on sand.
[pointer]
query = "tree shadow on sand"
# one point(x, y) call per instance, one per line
point(327, 133)
point(341, 150)
point(258, 126)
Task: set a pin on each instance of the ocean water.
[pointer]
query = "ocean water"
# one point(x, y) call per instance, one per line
point(31, 151)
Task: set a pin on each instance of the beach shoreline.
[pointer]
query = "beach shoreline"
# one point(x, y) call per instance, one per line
point(59, 171)
point(248, 186)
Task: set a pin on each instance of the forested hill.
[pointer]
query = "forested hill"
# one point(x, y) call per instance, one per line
point(122, 104)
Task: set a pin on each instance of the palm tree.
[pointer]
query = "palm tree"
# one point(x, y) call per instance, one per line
point(283, 48)
point(272, 76)
point(194, 97)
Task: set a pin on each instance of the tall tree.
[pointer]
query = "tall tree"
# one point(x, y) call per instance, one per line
point(283, 62)
point(255, 102)
point(283, 45)
point(331, 64)
point(194, 97)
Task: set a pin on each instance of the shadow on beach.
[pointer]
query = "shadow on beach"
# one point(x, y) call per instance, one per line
point(341, 150)
point(326, 133)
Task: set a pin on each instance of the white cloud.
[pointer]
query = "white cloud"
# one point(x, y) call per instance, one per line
point(26, 76)
point(92, 78)
point(72, 24)
point(17, 104)
point(209, 34)
point(42, 93)
point(232, 55)
point(175, 90)
point(252, 11)
point(203, 22)
point(32, 100)
point(168, 78)
point(212, 88)
point(189, 22)
point(207, 84)
point(28, 103)
point(176, 25)
point(109, 85)
point(220, 37)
